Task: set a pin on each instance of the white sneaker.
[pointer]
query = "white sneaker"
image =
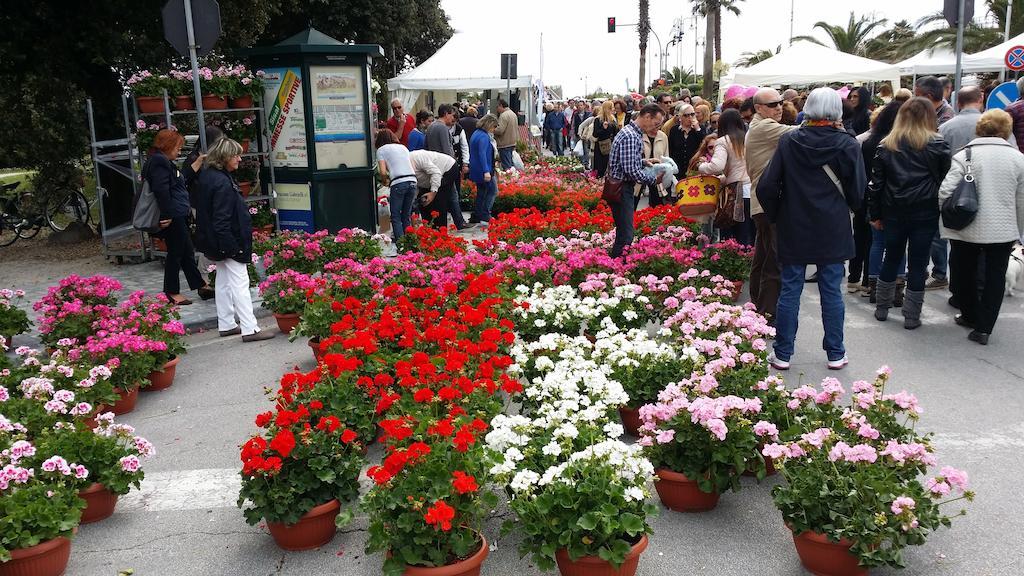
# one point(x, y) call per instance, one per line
point(838, 364)
point(776, 363)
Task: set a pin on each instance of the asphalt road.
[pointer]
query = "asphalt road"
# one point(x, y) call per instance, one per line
point(184, 521)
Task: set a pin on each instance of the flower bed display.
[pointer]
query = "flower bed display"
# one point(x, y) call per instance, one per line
point(13, 320)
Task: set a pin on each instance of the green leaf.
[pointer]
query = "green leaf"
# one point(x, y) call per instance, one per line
point(588, 521)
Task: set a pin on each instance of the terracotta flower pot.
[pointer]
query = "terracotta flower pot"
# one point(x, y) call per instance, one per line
point(161, 380)
point(737, 290)
point(769, 466)
point(214, 102)
point(245, 188)
point(595, 566)
point(9, 340)
point(99, 503)
point(184, 103)
point(825, 558)
point(679, 493)
point(287, 322)
point(313, 530)
point(127, 401)
point(268, 229)
point(48, 558)
point(159, 245)
point(630, 420)
point(245, 145)
point(466, 567)
point(314, 343)
point(242, 102)
point(149, 104)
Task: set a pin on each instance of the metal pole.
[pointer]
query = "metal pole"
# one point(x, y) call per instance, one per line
point(959, 52)
point(195, 74)
point(791, 3)
point(1006, 34)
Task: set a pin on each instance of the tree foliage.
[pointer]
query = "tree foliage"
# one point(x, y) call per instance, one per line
point(53, 57)
point(851, 38)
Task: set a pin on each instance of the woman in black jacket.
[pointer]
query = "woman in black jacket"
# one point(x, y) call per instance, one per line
point(880, 128)
point(605, 129)
point(903, 197)
point(168, 186)
point(224, 235)
point(815, 179)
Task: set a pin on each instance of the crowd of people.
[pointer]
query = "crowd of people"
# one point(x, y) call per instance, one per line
point(424, 158)
point(839, 179)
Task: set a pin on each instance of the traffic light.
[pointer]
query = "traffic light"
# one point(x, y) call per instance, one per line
point(611, 24)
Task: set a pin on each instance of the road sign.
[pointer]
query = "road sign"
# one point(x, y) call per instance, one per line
point(205, 23)
point(508, 66)
point(1015, 58)
point(1004, 95)
point(951, 10)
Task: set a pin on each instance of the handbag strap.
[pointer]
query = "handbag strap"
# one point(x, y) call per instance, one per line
point(832, 176)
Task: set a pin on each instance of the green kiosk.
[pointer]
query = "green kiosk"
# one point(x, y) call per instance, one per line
point(317, 106)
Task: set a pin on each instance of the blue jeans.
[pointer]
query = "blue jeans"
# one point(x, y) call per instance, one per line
point(556, 143)
point(622, 213)
point(454, 207)
point(505, 154)
point(940, 256)
point(586, 155)
point(913, 237)
point(875, 257)
point(403, 196)
point(485, 194)
point(833, 310)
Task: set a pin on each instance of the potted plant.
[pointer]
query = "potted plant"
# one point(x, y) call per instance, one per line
point(860, 482)
point(68, 310)
point(111, 452)
point(215, 87)
point(132, 356)
point(183, 89)
point(264, 217)
point(247, 177)
point(730, 259)
point(157, 320)
point(13, 320)
point(351, 243)
point(588, 515)
point(73, 386)
point(148, 89)
point(700, 445)
point(297, 474)
point(245, 87)
point(39, 507)
point(285, 294)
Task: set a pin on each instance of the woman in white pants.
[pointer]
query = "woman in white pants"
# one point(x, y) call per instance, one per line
point(224, 235)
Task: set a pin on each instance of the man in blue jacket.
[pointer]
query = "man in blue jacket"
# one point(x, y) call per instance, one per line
point(554, 122)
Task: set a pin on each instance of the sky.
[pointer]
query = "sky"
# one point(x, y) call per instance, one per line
point(580, 54)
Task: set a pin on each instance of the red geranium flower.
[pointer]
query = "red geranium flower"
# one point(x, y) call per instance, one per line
point(440, 515)
point(463, 482)
point(423, 395)
point(283, 443)
point(463, 439)
point(348, 436)
point(263, 419)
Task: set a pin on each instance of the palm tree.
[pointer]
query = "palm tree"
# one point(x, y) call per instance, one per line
point(681, 76)
point(644, 29)
point(750, 58)
point(894, 44)
point(852, 38)
point(976, 36)
point(711, 10)
point(729, 5)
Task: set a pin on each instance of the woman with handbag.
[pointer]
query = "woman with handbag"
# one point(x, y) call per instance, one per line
point(733, 216)
point(815, 179)
point(998, 171)
point(902, 197)
point(605, 129)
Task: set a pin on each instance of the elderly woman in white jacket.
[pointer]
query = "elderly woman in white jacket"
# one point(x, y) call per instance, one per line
point(998, 170)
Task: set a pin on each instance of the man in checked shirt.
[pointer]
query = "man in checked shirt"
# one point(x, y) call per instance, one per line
point(627, 163)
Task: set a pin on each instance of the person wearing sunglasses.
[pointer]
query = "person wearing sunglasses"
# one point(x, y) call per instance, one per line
point(685, 136)
point(762, 140)
point(400, 123)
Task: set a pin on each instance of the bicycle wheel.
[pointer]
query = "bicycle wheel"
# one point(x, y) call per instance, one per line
point(7, 234)
point(69, 207)
point(27, 230)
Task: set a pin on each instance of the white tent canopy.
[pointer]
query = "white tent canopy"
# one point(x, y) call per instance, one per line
point(929, 61)
point(468, 61)
point(809, 63)
point(991, 60)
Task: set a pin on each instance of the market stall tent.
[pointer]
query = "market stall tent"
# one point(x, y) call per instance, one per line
point(929, 61)
point(806, 63)
point(991, 60)
point(469, 61)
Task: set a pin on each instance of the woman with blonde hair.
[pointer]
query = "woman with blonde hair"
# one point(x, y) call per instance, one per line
point(224, 235)
point(605, 129)
point(910, 165)
point(999, 223)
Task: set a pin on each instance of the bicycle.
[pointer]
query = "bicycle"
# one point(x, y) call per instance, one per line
point(22, 217)
point(68, 205)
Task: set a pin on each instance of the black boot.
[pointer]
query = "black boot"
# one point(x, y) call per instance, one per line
point(897, 299)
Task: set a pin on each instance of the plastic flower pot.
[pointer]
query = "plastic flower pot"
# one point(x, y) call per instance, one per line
point(769, 466)
point(245, 145)
point(149, 104)
point(99, 503)
point(127, 400)
point(287, 322)
point(48, 558)
point(162, 379)
point(630, 420)
point(242, 101)
point(214, 102)
point(184, 103)
point(313, 530)
point(825, 558)
point(595, 566)
point(314, 343)
point(465, 567)
point(679, 493)
point(737, 290)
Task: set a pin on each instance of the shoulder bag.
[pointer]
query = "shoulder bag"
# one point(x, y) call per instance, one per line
point(961, 207)
point(612, 191)
point(725, 213)
point(146, 214)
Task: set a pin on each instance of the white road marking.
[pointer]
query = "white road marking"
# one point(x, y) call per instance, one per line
point(1002, 98)
point(184, 490)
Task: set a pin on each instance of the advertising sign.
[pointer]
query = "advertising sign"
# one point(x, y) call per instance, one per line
point(283, 95)
point(339, 117)
point(294, 206)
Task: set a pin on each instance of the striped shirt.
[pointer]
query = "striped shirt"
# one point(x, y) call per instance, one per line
point(626, 160)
